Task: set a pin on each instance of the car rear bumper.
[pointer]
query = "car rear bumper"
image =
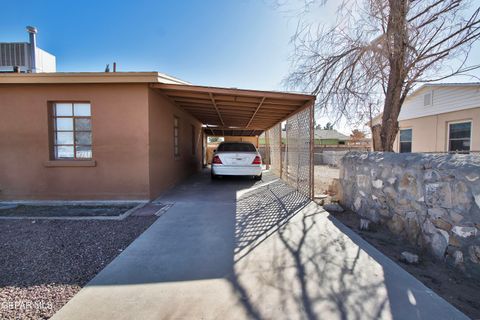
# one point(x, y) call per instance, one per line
point(224, 170)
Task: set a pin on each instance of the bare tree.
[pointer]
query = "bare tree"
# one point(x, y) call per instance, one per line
point(378, 51)
point(357, 135)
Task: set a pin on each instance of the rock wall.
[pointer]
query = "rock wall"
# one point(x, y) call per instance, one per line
point(432, 200)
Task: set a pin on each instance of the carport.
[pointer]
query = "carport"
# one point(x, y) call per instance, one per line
point(235, 112)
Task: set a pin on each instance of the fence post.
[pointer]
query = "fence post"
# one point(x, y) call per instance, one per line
point(267, 150)
point(312, 151)
point(280, 155)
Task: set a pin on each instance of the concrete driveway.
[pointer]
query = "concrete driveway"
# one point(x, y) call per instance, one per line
point(239, 249)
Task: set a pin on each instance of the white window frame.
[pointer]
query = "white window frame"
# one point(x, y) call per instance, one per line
point(399, 141)
point(448, 132)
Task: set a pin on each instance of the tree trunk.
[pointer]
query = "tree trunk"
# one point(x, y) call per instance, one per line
point(376, 140)
point(396, 42)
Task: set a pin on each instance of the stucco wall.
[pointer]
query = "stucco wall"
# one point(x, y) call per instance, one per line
point(432, 200)
point(165, 170)
point(120, 143)
point(430, 133)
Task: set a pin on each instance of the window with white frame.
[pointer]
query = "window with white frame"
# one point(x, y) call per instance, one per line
point(405, 140)
point(459, 136)
point(72, 131)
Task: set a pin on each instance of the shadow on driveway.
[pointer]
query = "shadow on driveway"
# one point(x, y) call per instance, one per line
point(239, 249)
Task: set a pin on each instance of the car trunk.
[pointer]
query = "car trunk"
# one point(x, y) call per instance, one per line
point(237, 158)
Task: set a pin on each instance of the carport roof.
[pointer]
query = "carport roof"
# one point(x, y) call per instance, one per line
point(232, 111)
point(224, 111)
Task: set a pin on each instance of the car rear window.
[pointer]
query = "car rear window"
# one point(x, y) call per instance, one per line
point(236, 147)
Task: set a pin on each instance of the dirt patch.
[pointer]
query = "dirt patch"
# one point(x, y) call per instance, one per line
point(65, 210)
point(44, 263)
point(324, 178)
point(451, 284)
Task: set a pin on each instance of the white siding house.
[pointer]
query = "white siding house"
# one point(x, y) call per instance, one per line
point(433, 99)
point(442, 117)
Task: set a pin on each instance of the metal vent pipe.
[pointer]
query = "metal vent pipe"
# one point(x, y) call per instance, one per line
point(32, 31)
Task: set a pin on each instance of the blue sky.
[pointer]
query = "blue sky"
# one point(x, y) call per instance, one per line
point(226, 43)
point(231, 43)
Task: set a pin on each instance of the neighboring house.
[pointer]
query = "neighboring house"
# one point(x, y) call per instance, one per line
point(442, 117)
point(119, 135)
point(330, 137)
point(327, 137)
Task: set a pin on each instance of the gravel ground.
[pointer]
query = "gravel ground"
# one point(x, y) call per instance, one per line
point(66, 210)
point(451, 284)
point(44, 263)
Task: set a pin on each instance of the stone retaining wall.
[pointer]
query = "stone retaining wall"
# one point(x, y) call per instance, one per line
point(432, 200)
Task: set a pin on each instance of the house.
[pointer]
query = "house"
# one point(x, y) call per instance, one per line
point(326, 137)
point(119, 135)
point(330, 137)
point(442, 117)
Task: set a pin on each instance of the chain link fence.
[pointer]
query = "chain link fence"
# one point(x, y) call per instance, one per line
point(291, 158)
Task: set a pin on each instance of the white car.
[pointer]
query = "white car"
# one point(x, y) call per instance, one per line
point(236, 159)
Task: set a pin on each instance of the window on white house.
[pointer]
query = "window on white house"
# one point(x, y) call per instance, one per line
point(459, 136)
point(72, 131)
point(176, 136)
point(405, 140)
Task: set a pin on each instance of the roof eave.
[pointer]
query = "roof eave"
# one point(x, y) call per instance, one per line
point(87, 77)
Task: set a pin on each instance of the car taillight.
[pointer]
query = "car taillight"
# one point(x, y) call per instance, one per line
point(216, 160)
point(257, 160)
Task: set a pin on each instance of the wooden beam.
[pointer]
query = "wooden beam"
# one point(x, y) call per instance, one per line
point(284, 102)
point(235, 92)
point(187, 94)
point(256, 110)
point(206, 101)
point(236, 128)
point(305, 105)
point(237, 113)
point(232, 98)
point(211, 131)
point(216, 108)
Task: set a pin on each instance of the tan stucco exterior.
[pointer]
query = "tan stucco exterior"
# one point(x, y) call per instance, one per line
point(165, 170)
point(132, 119)
point(430, 133)
point(132, 129)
